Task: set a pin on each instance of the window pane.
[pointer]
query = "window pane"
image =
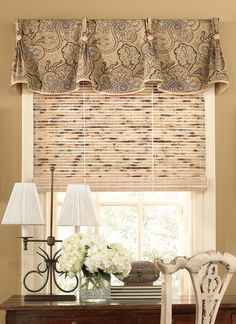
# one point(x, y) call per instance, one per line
point(160, 232)
point(161, 196)
point(119, 224)
point(117, 196)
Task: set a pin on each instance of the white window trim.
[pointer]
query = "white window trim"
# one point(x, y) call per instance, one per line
point(204, 204)
point(203, 227)
point(27, 136)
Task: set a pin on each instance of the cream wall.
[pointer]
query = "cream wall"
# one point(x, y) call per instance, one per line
point(10, 107)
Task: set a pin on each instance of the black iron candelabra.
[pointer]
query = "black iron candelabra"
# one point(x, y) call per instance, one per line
point(48, 269)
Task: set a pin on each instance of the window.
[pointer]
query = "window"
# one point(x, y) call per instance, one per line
point(188, 212)
point(147, 223)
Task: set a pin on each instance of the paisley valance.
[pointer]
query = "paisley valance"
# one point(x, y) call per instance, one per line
point(118, 56)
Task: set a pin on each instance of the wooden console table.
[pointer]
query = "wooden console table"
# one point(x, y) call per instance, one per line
point(113, 312)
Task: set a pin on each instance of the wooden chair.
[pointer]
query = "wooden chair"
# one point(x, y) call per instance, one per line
point(209, 284)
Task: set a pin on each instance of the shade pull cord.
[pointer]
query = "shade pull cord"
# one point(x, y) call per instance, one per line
point(84, 128)
point(153, 162)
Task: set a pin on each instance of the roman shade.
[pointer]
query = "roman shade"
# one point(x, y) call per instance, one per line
point(147, 141)
point(118, 56)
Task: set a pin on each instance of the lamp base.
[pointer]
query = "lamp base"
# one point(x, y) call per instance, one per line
point(49, 297)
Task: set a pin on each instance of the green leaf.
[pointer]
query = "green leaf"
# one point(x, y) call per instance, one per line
point(104, 275)
point(85, 271)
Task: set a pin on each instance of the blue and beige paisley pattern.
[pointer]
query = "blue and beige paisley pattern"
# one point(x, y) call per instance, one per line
point(118, 56)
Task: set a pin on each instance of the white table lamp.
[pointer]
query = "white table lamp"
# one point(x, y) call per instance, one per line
point(23, 207)
point(78, 208)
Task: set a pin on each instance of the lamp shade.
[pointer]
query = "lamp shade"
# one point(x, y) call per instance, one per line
point(23, 206)
point(79, 207)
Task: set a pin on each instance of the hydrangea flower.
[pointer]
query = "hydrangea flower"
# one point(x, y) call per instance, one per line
point(94, 256)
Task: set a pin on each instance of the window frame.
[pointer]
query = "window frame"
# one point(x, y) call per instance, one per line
point(203, 204)
point(139, 204)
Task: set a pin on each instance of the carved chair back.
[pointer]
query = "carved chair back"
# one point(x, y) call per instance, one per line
point(209, 284)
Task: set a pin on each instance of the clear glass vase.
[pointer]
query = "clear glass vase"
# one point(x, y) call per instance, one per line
point(94, 288)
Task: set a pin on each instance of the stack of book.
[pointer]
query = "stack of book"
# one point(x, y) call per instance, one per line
point(136, 292)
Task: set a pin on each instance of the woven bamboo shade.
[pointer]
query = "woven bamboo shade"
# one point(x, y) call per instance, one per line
point(148, 141)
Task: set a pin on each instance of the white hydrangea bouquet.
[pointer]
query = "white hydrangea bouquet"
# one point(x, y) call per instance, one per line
point(94, 260)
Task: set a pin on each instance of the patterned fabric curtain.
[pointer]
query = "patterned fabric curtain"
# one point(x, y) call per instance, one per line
point(119, 56)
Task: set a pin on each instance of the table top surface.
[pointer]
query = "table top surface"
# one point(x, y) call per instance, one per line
point(16, 302)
